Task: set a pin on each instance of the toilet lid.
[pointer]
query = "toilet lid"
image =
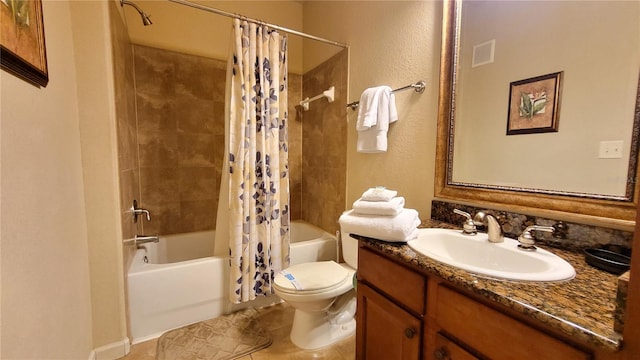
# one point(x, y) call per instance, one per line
point(313, 276)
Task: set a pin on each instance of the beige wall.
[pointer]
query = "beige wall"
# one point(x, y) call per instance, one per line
point(392, 43)
point(46, 293)
point(91, 23)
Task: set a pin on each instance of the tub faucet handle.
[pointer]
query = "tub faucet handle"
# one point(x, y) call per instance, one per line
point(138, 211)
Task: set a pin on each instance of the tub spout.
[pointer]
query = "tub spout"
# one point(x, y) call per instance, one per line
point(143, 239)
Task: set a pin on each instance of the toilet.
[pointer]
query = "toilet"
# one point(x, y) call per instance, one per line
point(323, 297)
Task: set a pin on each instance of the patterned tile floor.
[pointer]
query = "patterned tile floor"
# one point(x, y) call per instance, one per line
point(277, 319)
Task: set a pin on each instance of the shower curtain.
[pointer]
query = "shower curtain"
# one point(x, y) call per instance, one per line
point(258, 160)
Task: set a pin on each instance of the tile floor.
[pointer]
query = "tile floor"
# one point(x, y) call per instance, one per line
point(278, 320)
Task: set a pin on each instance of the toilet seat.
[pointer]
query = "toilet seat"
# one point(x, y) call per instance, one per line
point(312, 278)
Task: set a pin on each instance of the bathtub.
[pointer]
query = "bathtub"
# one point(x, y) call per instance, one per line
point(177, 281)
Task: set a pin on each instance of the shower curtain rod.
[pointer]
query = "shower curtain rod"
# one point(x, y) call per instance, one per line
point(273, 26)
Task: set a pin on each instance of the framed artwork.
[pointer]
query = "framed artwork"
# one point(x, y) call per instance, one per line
point(22, 47)
point(534, 105)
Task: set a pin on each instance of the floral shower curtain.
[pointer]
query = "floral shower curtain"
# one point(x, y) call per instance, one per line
point(258, 160)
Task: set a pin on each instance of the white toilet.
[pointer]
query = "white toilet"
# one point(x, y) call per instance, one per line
point(323, 297)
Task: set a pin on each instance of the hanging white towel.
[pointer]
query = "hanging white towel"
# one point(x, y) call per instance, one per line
point(400, 228)
point(373, 139)
point(385, 208)
point(378, 193)
point(368, 107)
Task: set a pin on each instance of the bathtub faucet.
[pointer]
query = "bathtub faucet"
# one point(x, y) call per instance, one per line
point(143, 239)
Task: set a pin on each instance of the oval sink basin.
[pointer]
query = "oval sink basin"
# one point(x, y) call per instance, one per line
point(476, 254)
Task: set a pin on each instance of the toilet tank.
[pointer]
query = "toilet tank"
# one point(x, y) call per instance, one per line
point(349, 249)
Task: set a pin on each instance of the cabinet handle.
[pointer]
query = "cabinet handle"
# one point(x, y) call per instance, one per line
point(441, 354)
point(409, 332)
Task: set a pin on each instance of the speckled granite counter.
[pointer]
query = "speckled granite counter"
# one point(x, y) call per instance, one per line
point(582, 308)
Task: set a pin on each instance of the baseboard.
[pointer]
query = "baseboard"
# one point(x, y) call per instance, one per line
point(111, 351)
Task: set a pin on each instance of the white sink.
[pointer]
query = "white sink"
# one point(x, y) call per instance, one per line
point(476, 254)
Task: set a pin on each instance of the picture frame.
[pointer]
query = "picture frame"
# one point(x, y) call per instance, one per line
point(534, 104)
point(22, 44)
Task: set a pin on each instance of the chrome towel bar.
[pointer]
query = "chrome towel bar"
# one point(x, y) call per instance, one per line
point(418, 87)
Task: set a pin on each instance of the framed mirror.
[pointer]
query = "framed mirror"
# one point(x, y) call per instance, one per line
point(539, 108)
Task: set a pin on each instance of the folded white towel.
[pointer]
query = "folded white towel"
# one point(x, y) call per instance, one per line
point(400, 228)
point(378, 193)
point(413, 235)
point(373, 139)
point(385, 208)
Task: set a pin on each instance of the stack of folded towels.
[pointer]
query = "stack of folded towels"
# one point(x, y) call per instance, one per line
point(380, 214)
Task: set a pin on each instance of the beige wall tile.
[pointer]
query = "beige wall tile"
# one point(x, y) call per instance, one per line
point(195, 149)
point(198, 183)
point(180, 102)
point(158, 149)
point(198, 215)
point(155, 112)
point(324, 138)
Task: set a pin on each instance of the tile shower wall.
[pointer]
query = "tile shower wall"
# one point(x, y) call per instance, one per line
point(570, 236)
point(324, 137)
point(180, 108)
point(180, 130)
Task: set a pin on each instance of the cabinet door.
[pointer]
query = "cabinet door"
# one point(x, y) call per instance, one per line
point(385, 331)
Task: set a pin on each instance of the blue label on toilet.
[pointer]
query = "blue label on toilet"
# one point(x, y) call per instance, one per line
point(292, 279)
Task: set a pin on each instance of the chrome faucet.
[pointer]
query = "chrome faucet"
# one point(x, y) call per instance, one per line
point(143, 239)
point(494, 229)
point(527, 241)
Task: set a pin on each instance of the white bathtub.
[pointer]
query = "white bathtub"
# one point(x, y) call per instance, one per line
point(182, 283)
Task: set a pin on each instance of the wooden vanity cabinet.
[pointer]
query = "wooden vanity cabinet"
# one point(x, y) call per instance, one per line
point(404, 314)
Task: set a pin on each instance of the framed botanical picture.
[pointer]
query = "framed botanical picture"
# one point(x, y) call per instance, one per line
point(22, 47)
point(534, 104)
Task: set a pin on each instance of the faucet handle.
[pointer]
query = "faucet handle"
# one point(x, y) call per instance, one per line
point(137, 212)
point(527, 241)
point(469, 227)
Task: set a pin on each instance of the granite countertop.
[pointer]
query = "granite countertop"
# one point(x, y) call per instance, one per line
point(582, 308)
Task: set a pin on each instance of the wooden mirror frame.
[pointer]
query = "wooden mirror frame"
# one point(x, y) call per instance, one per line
point(600, 212)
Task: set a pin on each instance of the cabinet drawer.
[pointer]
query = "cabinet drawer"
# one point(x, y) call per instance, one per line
point(494, 334)
point(396, 281)
point(448, 350)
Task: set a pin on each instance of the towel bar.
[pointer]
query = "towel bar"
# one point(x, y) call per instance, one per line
point(418, 87)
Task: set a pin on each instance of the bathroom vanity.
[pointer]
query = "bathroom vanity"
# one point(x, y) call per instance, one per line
point(411, 307)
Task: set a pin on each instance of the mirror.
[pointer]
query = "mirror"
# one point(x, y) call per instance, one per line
point(556, 170)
